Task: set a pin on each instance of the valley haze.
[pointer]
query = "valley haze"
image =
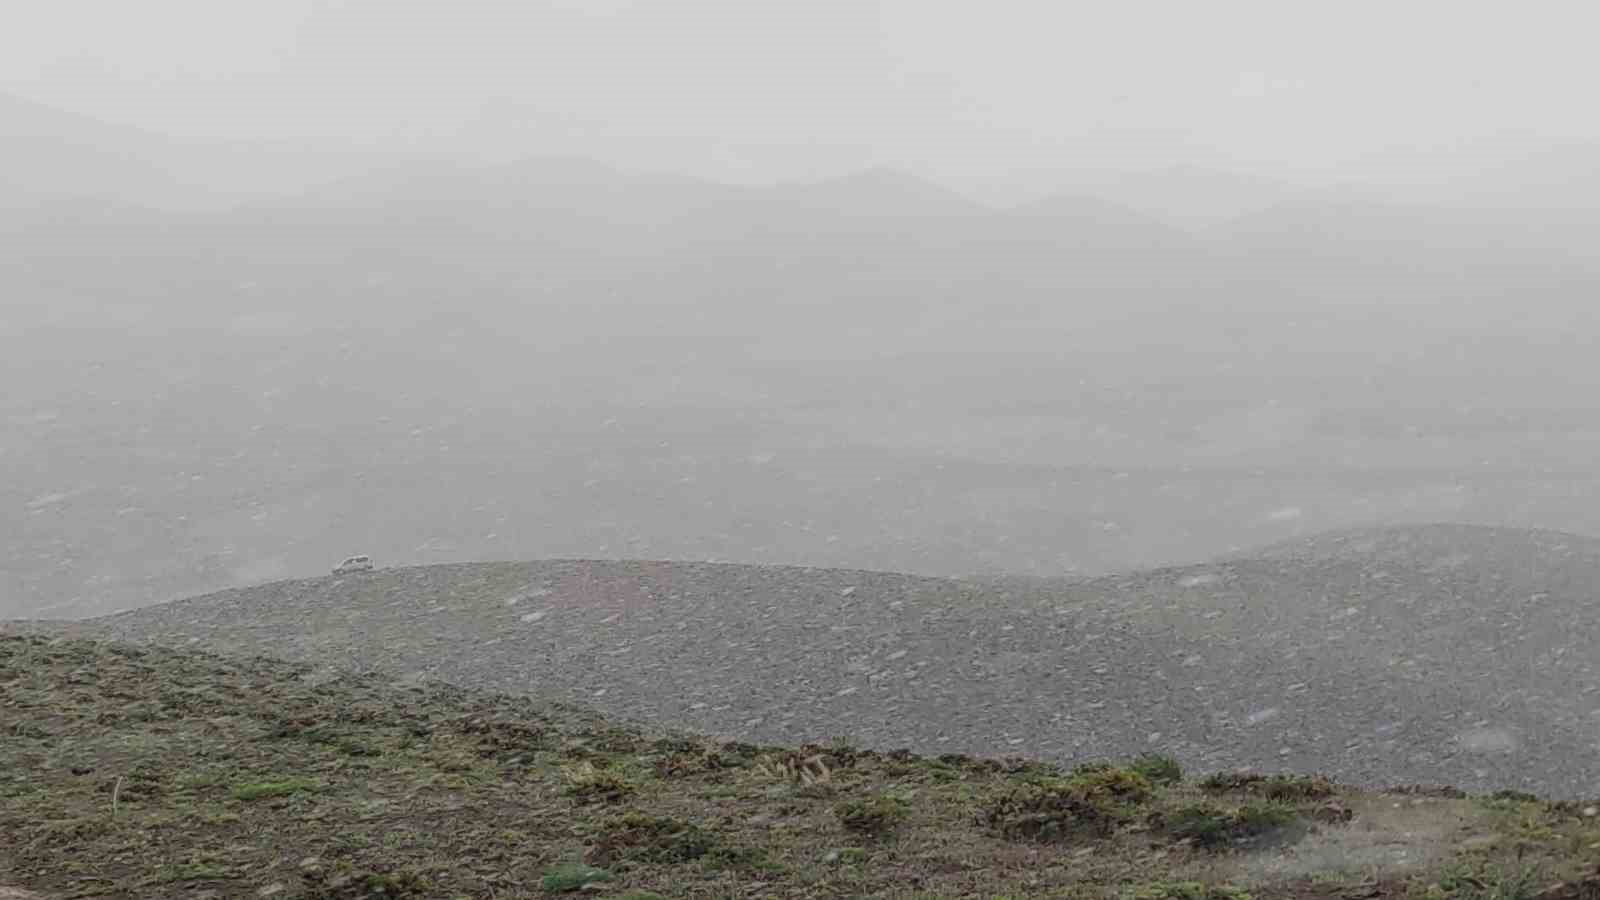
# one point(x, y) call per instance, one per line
point(1203, 387)
point(439, 361)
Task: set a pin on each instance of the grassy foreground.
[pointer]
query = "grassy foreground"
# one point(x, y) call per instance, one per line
point(132, 772)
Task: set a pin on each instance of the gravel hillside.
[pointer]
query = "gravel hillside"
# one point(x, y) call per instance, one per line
point(1437, 654)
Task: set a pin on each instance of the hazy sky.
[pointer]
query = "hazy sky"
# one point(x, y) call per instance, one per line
point(762, 87)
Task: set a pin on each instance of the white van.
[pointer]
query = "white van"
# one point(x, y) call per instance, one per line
point(354, 564)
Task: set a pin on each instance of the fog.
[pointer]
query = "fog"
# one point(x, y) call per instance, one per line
point(1040, 289)
point(1021, 96)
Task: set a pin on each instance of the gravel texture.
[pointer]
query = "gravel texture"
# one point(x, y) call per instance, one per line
point(1428, 654)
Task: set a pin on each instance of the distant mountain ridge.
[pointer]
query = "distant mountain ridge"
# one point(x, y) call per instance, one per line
point(50, 153)
point(253, 213)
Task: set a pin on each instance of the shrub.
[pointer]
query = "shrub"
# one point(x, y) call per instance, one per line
point(1211, 826)
point(1294, 788)
point(1227, 782)
point(845, 754)
point(875, 816)
point(572, 877)
point(682, 765)
point(1095, 799)
point(1281, 788)
point(505, 738)
point(803, 768)
point(847, 856)
point(1204, 824)
point(646, 838)
point(1260, 818)
point(1125, 785)
point(1025, 768)
point(1429, 790)
point(589, 784)
point(1158, 768)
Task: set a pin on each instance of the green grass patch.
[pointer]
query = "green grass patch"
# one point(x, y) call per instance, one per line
point(572, 877)
point(267, 790)
point(199, 871)
point(1463, 880)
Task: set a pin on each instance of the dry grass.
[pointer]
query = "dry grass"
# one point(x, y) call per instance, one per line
point(128, 772)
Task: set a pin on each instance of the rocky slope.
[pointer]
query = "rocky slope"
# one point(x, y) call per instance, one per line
point(1427, 654)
